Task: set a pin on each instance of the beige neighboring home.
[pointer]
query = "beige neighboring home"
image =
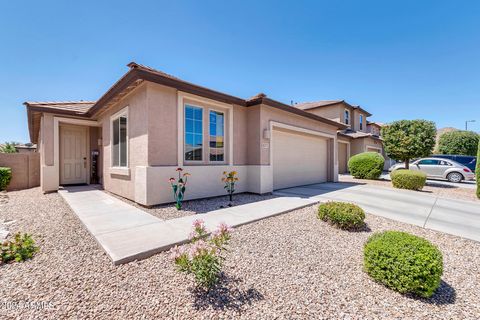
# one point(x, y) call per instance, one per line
point(360, 135)
point(149, 123)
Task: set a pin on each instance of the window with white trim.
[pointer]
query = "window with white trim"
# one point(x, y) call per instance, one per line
point(120, 140)
point(193, 145)
point(217, 135)
point(347, 116)
point(361, 122)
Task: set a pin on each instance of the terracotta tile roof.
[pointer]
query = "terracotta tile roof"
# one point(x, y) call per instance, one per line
point(316, 104)
point(73, 107)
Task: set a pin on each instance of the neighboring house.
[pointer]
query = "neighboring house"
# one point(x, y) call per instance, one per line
point(26, 148)
point(149, 123)
point(360, 134)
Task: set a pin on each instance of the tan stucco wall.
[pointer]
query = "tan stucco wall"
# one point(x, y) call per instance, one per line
point(137, 128)
point(360, 145)
point(333, 112)
point(25, 169)
point(162, 125)
point(240, 135)
point(268, 114)
point(356, 123)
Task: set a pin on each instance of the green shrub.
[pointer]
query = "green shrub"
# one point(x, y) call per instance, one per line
point(5, 177)
point(21, 248)
point(344, 215)
point(459, 142)
point(367, 165)
point(408, 179)
point(404, 262)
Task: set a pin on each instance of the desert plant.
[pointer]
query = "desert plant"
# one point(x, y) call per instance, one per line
point(344, 215)
point(404, 262)
point(21, 248)
point(408, 179)
point(203, 257)
point(229, 178)
point(366, 165)
point(459, 142)
point(5, 177)
point(179, 186)
point(409, 139)
point(8, 147)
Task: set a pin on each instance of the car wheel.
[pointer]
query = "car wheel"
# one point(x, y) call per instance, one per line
point(455, 177)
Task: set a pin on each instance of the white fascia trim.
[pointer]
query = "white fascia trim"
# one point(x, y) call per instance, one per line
point(372, 147)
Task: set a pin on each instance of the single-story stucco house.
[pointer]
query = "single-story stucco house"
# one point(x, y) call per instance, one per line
point(149, 123)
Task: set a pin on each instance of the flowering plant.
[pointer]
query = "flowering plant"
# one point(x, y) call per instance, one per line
point(202, 257)
point(229, 178)
point(179, 187)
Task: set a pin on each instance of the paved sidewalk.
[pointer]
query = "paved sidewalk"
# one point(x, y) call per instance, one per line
point(457, 217)
point(127, 233)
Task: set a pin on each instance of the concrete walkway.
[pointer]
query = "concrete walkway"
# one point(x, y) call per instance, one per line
point(127, 233)
point(457, 217)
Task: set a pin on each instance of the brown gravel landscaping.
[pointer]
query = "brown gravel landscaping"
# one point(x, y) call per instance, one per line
point(168, 211)
point(441, 190)
point(289, 266)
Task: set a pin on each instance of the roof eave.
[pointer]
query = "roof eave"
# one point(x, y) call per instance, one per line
point(285, 107)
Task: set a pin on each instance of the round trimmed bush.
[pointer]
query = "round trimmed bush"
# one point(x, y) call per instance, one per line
point(404, 262)
point(5, 177)
point(344, 215)
point(367, 165)
point(408, 179)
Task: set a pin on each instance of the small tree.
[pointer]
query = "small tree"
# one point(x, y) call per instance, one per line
point(459, 142)
point(8, 147)
point(408, 139)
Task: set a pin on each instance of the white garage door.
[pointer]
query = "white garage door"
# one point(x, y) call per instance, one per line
point(298, 159)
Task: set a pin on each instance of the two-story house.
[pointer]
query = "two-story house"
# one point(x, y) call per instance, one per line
point(360, 135)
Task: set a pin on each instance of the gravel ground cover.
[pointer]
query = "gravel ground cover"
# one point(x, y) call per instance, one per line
point(291, 266)
point(441, 190)
point(168, 211)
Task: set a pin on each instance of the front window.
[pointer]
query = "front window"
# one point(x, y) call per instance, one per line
point(217, 135)
point(120, 140)
point(361, 122)
point(347, 117)
point(193, 133)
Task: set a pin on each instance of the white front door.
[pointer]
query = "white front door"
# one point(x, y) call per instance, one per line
point(73, 155)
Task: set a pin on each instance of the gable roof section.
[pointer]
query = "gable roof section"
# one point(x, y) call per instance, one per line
point(132, 79)
point(325, 103)
point(263, 99)
point(78, 108)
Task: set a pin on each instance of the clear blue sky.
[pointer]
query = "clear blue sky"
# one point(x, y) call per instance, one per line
point(398, 59)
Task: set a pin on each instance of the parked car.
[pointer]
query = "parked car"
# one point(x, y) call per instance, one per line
point(439, 169)
point(468, 161)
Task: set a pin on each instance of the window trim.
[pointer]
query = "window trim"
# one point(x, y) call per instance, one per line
point(360, 118)
point(185, 104)
point(346, 119)
point(224, 137)
point(122, 113)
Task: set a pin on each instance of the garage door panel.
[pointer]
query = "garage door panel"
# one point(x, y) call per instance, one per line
point(298, 159)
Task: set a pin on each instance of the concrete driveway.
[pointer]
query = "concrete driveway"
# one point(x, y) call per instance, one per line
point(461, 218)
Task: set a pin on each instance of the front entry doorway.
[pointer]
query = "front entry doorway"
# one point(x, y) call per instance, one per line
point(73, 155)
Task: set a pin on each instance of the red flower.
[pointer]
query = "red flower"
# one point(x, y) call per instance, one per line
point(171, 179)
point(179, 169)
